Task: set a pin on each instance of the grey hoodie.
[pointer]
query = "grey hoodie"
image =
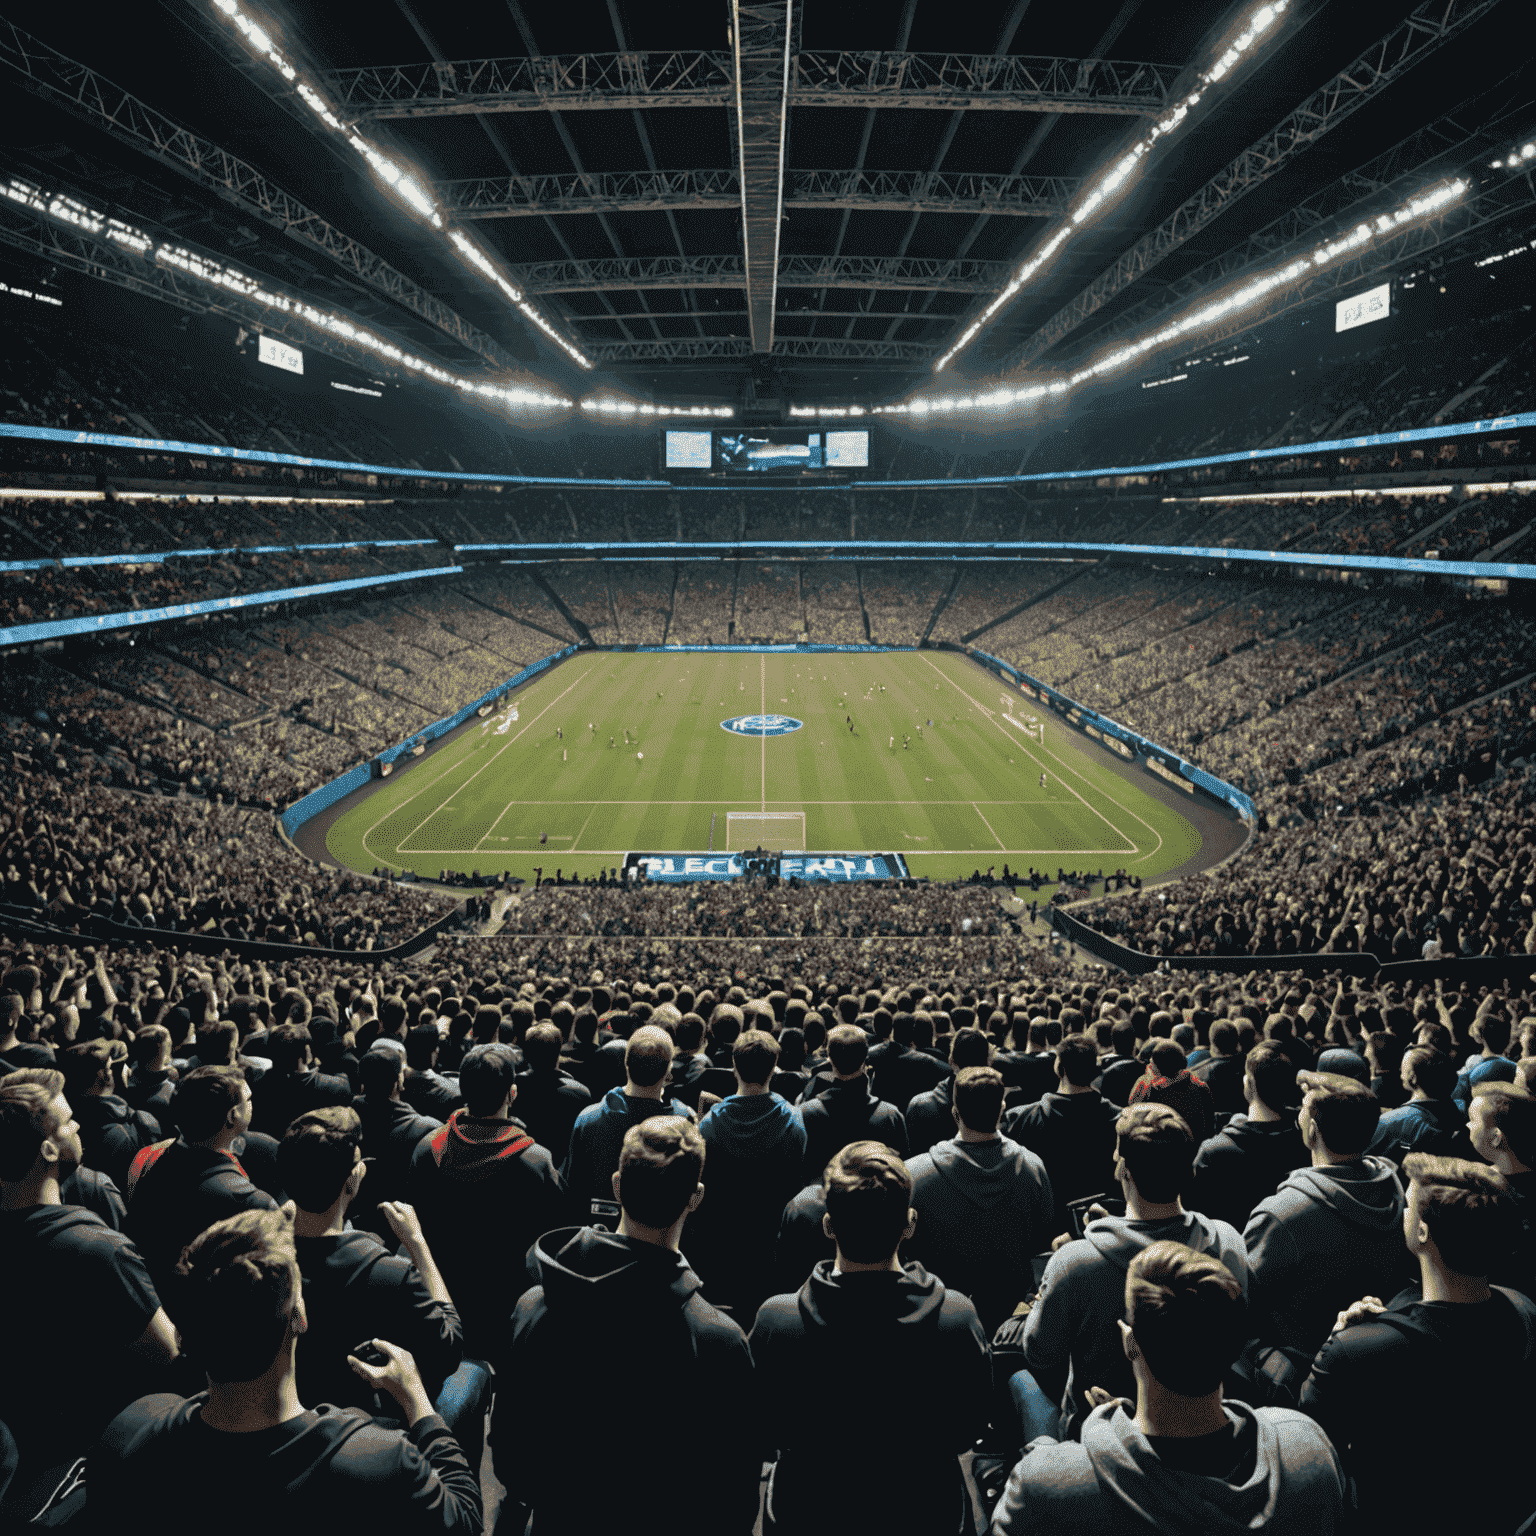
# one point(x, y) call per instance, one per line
point(1076, 1320)
point(984, 1209)
point(1113, 1483)
point(1324, 1239)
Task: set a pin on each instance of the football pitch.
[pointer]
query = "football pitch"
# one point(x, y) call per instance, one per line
point(613, 752)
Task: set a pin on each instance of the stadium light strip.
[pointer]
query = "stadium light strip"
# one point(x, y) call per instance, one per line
point(217, 274)
point(405, 186)
point(1115, 179)
point(1252, 292)
point(1484, 487)
point(609, 406)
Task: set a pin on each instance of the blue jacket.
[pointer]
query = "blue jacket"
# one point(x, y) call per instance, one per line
point(597, 1138)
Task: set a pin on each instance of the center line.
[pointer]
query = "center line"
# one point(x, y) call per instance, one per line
point(762, 732)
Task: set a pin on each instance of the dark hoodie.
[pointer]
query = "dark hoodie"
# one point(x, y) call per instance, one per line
point(1073, 1134)
point(392, 1130)
point(894, 1341)
point(984, 1209)
point(615, 1347)
point(484, 1192)
point(930, 1118)
point(1324, 1239)
point(1284, 1480)
point(1076, 1318)
point(755, 1146)
point(597, 1138)
point(112, 1132)
point(847, 1112)
point(1452, 1371)
point(1242, 1164)
point(329, 1469)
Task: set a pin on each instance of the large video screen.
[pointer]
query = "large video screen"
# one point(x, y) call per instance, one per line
point(764, 450)
point(848, 450)
point(1362, 308)
point(688, 450)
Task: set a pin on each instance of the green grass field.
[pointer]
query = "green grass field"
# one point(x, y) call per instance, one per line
point(965, 794)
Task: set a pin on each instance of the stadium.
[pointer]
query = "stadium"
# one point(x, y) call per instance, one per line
point(810, 696)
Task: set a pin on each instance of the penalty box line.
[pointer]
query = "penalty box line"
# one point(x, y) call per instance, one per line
point(1087, 805)
point(400, 846)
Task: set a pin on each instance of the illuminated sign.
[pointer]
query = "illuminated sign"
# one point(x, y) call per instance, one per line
point(1363, 308)
point(279, 354)
point(842, 868)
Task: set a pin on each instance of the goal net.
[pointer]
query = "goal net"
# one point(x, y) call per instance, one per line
point(775, 830)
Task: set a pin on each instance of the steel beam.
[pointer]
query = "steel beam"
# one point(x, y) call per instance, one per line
point(1384, 62)
point(67, 245)
point(639, 272)
point(1479, 211)
point(832, 349)
point(692, 78)
point(763, 37)
point(1396, 175)
point(85, 94)
point(970, 194)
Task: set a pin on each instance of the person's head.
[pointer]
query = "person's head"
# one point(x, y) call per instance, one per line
point(1384, 1052)
point(1223, 1038)
point(979, 1098)
point(151, 1049)
point(869, 1202)
point(320, 1156)
point(39, 1135)
point(688, 1032)
point(382, 1072)
point(754, 1056)
point(421, 1047)
point(1165, 1059)
point(541, 1047)
point(1459, 1214)
point(212, 1101)
point(87, 1069)
point(1185, 1319)
point(1338, 1115)
point(1269, 1076)
point(1492, 1032)
point(847, 1049)
point(969, 1048)
point(487, 1026)
point(1429, 1072)
point(241, 1304)
point(486, 1079)
point(1155, 1150)
point(661, 1167)
point(1502, 1124)
point(647, 1056)
point(290, 1048)
point(1077, 1061)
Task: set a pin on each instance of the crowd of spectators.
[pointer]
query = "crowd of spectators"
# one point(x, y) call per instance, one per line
point(73, 850)
point(1450, 874)
point(338, 1229)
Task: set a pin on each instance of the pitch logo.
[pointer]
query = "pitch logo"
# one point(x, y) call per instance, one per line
point(761, 725)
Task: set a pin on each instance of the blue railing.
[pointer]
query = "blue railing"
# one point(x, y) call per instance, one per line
point(102, 623)
point(327, 795)
point(1515, 422)
point(1141, 746)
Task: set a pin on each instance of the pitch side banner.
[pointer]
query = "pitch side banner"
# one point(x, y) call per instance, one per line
point(841, 868)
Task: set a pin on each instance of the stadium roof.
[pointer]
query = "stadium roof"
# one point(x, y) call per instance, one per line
point(590, 194)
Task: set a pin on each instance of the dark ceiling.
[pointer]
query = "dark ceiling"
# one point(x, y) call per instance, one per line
point(180, 57)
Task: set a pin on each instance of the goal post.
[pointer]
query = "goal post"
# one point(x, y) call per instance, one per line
point(779, 831)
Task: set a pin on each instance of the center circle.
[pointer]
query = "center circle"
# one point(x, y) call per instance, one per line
point(761, 725)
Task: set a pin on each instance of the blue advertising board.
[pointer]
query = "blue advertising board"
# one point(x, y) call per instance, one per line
point(840, 868)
